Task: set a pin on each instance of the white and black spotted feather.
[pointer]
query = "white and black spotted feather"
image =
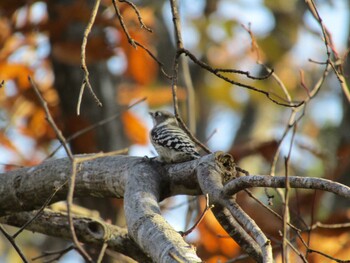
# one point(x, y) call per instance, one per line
point(170, 141)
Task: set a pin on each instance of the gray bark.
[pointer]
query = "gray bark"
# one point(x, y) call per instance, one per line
point(143, 184)
point(88, 230)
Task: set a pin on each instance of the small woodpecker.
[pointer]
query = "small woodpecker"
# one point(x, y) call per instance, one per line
point(171, 142)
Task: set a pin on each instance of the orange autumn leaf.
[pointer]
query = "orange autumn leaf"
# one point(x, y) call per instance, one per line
point(37, 127)
point(141, 67)
point(333, 242)
point(134, 128)
point(16, 72)
point(214, 242)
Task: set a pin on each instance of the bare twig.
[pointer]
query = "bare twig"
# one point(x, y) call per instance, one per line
point(329, 226)
point(239, 258)
point(296, 251)
point(179, 47)
point(270, 210)
point(160, 64)
point(190, 98)
point(246, 73)
point(193, 199)
point(133, 42)
point(309, 250)
point(330, 49)
point(51, 121)
point(57, 254)
point(102, 252)
point(13, 243)
point(69, 212)
point(70, 195)
point(312, 216)
point(47, 202)
point(86, 81)
point(49, 118)
point(211, 135)
point(95, 125)
point(286, 214)
point(328, 256)
point(207, 208)
point(270, 95)
point(139, 17)
point(121, 20)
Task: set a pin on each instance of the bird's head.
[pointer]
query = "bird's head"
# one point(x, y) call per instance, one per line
point(160, 117)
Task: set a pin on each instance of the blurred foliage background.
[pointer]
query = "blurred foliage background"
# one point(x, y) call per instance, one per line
point(43, 39)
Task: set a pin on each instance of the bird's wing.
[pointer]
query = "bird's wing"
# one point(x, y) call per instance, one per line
point(174, 138)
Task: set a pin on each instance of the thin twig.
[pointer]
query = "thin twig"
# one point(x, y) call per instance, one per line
point(211, 135)
point(193, 138)
point(95, 125)
point(139, 17)
point(102, 252)
point(59, 135)
point(160, 64)
point(48, 200)
point(179, 47)
point(286, 214)
point(329, 226)
point(121, 20)
point(193, 199)
point(207, 208)
point(70, 195)
point(311, 220)
point(269, 95)
point(51, 121)
point(246, 73)
point(296, 251)
point(86, 81)
point(330, 49)
point(188, 81)
point(328, 256)
point(13, 243)
point(270, 210)
point(135, 43)
point(239, 258)
point(58, 253)
point(309, 250)
point(190, 98)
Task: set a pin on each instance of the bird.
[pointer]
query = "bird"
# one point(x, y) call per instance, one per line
point(171, 142)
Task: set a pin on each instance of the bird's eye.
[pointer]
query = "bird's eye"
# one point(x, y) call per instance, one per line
point(157, 114)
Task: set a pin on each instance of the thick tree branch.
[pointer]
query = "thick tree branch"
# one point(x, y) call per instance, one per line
point(88, 230)
point(28, 188)
point(211, 179)
point(143, 183)
point(241, 183)
point(146, 224)
point(237, 232)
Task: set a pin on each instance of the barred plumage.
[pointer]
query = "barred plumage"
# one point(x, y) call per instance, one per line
point(170, 141)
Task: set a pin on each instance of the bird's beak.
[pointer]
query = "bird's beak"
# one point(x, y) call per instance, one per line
point(151, 113)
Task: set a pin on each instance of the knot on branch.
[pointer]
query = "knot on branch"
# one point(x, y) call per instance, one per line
point(227, 165)
point(96, 230)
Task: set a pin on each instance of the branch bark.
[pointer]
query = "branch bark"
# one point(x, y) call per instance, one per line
point(28, 188)
point(143, 184)
point(89, 230)
point(241, 183)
